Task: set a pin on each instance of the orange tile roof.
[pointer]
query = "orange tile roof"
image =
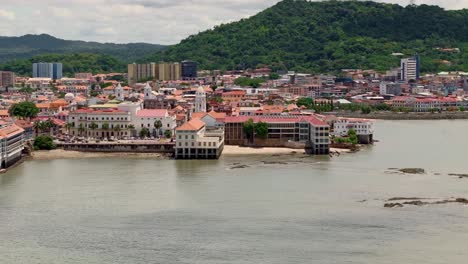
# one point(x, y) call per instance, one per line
point(192, 125)
point(10, 131)
point(4, 112)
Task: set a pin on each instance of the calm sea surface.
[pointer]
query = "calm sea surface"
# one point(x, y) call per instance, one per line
point(304, 210)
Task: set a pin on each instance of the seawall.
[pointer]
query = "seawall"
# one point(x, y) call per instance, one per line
point(164, 148)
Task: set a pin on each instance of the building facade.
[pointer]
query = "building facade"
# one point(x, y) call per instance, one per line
point(11, 144)
point(194, 141)
point(137, 72)
point(47, 70)
point(364, 128)
point(7, 79)
point(410, 68)
point(282, 130)
point(189, 70)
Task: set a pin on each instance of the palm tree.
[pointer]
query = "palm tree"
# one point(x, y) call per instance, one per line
point(81, 129)
point(68, 126)
point(158, 125)
point(49, 124)
point(93, 126)
point(132, 130)
point(117, 130)
point(105, 127)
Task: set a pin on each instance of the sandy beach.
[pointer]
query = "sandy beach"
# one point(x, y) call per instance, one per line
point(228, 151)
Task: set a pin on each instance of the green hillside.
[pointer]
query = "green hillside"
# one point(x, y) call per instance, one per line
point(330, 36)
point(72, 63)
point(27, 46)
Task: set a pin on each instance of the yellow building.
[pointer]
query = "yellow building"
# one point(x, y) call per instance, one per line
point(137, 72)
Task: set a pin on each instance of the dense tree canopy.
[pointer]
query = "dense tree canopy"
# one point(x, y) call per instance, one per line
point(329, 36)
point(72, 63)
point(24, 110)
point(27, 46)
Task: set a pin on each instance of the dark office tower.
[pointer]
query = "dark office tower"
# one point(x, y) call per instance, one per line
point(189, 70)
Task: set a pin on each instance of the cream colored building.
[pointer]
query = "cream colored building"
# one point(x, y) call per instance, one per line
point(194, 141)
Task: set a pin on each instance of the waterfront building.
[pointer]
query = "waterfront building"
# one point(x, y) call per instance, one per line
point(189, 70)
point(200, 100)
point(364, 128)
point(11, 144)
point(310, 131)
point(100, 123)
point(7, 79)
point(410, 68)
point(194, 141)
point(47, 70)
point(147, 118)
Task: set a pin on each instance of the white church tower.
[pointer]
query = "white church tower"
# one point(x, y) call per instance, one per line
point(200, 100)
point(119, 93)
point(148, 91)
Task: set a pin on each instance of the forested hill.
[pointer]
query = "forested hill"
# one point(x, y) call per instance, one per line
point(329, 36)
point(28, 46)
point(72, 63)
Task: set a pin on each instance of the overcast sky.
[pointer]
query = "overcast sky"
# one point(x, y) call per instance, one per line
point(123, 21)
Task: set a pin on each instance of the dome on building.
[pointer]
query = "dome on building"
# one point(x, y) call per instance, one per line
point(69, 97)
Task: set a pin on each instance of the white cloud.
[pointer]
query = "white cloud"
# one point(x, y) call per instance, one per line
point(8, 15)
point(123, 21)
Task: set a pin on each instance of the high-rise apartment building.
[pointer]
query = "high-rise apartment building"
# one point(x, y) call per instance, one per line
point(410, 68)
point(189, 70)
point(169, 71)
point(162, 71)
point(7, 79)
point(47, 70)
point(138, 72)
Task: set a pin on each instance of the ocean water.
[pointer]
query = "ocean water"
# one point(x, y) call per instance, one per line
point(291, 209)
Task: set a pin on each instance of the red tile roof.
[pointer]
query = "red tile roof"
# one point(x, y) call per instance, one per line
point(310, 119)
point(192, 125)
point(152, 113)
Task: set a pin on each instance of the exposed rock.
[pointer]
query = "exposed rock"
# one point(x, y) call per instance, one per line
point(406, 198)
point(239, 167)
point(392, 205)
point(459, 175)
point(412, 170)
point(418, 202)
point(274, 162)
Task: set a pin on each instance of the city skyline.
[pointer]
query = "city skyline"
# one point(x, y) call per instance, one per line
point(160, 21)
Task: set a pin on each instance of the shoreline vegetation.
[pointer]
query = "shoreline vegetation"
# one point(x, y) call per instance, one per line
point(228, 151)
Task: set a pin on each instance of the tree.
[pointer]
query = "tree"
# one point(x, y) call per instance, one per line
point(105, 126)
point(81, 129)
point(261, 130)
point(44, 143)
point(168, 133)
point(305, 101)
point(93, 93)
point(352, 135)
point(144, 132)
point(366, 109)
point(69, 126)
point(274, 76)
point(249, 129)
point(117, 130)
point(158, 125)
point(24, 110)
point(93, 126)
